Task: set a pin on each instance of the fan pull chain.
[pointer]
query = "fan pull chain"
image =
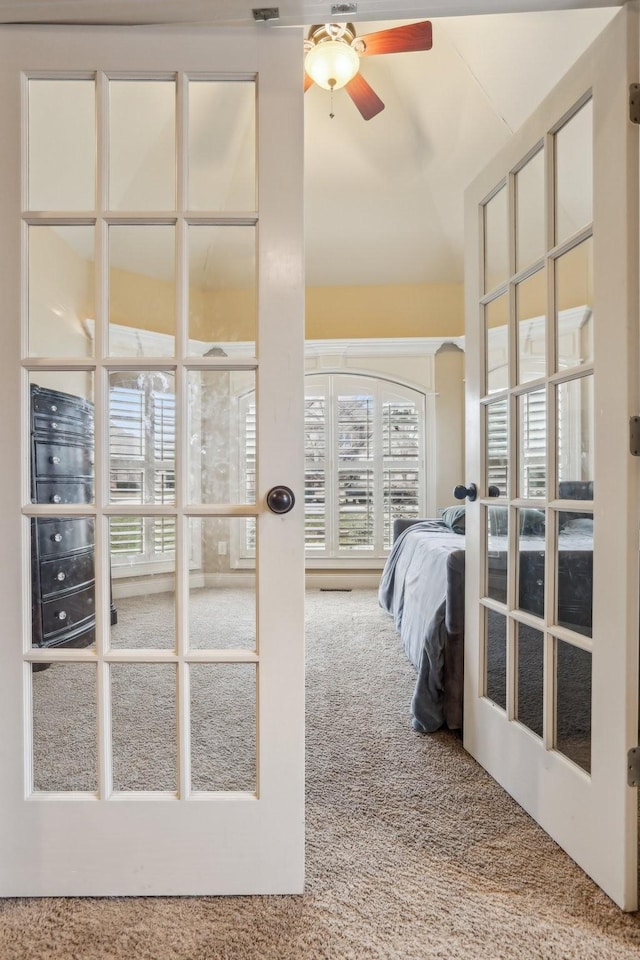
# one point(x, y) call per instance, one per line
point(332, 84)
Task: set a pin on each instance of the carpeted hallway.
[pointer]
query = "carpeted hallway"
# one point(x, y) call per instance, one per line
point(413, 851)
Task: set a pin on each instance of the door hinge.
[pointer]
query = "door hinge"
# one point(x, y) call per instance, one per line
point(633, 767)
point(634, 103)
point(634, 436)
point(262, 14)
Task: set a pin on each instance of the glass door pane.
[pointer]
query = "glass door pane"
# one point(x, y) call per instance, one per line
point(142, 144)
point(223, 294)
point(62, 144)
point(530, 672)
point(497, 345)
point(540, 574)
point(61, 290)
point(573, 201)
point(497, 446)
point(496, 249)
point(531, 310)
point(573, 703)
point(575, 439)
point(496, 658)
point(532, 444)
point(222, 145)
point(142, 290)
point(574, 306)
point(530, 220)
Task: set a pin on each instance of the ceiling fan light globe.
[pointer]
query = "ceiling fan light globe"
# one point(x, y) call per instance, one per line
point(332, 64)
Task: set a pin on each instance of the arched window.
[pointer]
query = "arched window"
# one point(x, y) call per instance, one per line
point(364, 463)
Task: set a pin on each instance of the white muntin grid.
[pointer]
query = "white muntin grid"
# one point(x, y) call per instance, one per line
point(550, 382)
point(98, 369)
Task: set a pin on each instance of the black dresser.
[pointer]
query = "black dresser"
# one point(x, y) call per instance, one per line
point(62, 548)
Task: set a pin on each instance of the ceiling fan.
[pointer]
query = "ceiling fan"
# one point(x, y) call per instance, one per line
point(333, 53)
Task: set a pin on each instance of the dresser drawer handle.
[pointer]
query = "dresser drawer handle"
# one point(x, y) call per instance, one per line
point(61, 615)
point(54, 426)
point(53, 408)
point(56, 537)
point(55, 498)
point(61, 576)
point(54, 459)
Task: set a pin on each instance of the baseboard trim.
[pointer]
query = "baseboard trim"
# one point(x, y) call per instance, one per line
point(141, 588)
point(229, 580)
point(316, 580)
point(342, 581)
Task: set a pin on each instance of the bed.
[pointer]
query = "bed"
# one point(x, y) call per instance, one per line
point(422, 587)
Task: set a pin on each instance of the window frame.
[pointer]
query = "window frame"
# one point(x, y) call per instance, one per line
point(382, 388)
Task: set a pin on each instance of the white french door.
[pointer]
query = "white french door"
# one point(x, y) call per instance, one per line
point(152, 271)
point(551, 648)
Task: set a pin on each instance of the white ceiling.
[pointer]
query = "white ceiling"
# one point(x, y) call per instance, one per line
point(384, 197)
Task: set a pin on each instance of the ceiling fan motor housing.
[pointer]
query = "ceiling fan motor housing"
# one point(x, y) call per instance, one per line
point(321, 32)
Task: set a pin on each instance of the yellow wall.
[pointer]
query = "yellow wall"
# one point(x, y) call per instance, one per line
point(64, 297)
point(419, 310)
point(410, 310)
point(139, 301)
point(222, 314)
point(148, 303)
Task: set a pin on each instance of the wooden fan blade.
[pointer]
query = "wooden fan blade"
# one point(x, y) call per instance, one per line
point(307, 81)
point(413, 36)
point(365, 98)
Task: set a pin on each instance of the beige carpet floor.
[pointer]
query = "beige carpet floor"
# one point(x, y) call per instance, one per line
point(413, 851)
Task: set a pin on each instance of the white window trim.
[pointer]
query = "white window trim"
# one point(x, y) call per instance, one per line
point(381, 348)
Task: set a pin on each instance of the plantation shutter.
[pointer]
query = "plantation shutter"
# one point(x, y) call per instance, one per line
point(533, 466)
point(248, 472)
point(355, 428)
point(163, 419)
point(364, 464)
point(533, 481)
point(401, 452)
point(315, 476)
point(142, 458)
point(497, 448)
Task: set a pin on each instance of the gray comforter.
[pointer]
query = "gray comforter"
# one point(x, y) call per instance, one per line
point(422, 587)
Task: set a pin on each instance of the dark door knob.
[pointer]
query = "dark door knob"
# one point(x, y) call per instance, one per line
point(280, 499)
point(460, 492)
point(494, 491)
